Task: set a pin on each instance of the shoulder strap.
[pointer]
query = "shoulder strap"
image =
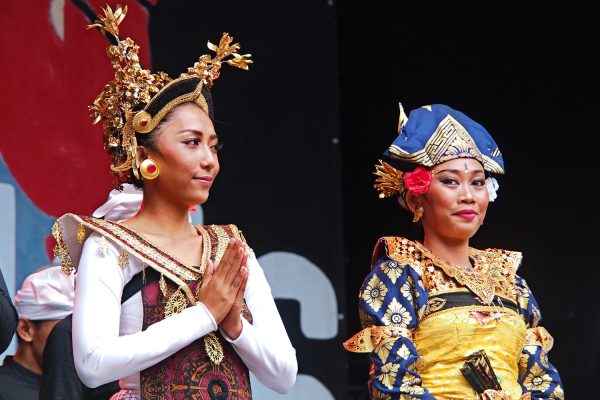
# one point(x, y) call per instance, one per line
point(219, 236)
point(71, 231)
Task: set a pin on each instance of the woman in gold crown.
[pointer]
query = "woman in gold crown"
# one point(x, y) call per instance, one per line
point(443, 320)
point(169, 309)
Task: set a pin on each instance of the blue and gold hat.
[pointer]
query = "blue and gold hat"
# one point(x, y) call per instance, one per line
point(432, 135)
point(437, 133)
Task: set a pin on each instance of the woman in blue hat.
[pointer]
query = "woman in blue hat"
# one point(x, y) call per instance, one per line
point(441, 319)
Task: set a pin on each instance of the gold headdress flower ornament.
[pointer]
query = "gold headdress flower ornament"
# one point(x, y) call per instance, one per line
point(136, 100)
point(389, 180)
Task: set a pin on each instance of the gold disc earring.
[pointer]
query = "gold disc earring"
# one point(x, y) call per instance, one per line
point(418, 213)
point(149, 169)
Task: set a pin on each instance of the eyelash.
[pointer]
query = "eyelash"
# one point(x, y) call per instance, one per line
point(450, 181)
point(195, 142)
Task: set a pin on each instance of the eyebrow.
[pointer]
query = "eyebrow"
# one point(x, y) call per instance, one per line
point(456, 171)
point(197, 132)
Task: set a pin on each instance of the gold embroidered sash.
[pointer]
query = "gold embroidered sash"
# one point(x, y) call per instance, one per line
point(70, 231)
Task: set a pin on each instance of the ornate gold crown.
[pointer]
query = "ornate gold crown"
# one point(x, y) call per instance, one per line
point(136, 100)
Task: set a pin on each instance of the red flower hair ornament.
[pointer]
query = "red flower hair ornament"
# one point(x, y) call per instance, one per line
point(417, 181)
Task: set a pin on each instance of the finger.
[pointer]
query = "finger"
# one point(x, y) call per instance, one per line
point(226, 259)
point(243, 261)
point(245, 258)
point(210, 267)
point(208, 272)
point(240, 277)
point(230, 263)
point(240, 296)
point(227, 254)
point(236, 264)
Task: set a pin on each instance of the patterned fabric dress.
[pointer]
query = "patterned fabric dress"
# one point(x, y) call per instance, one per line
point(422, 318)
point(207, 369)
point(190, 373)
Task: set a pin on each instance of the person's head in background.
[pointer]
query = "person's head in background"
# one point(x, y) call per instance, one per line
point(45, 298)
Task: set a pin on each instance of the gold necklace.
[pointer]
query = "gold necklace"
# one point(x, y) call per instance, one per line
point(474, 278)
point(442, 262)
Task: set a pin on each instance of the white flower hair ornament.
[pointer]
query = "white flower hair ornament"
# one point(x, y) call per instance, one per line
point(492, 186)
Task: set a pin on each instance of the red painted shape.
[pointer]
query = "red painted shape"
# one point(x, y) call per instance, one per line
point(49, 243)
point(48, 141)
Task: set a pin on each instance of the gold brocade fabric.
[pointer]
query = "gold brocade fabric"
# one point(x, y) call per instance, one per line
point(444, 340)
point(493, 272)
point(422, 317)
point(374, 338)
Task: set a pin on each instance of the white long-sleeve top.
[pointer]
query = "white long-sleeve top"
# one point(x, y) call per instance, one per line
point(109, 344)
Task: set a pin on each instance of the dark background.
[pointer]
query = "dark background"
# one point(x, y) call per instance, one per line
point(528, 73)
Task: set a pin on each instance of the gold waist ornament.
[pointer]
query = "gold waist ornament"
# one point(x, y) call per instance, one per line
point(445, 339)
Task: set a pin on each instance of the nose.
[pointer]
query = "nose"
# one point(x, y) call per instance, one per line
point(208, 158)
point(466, 194)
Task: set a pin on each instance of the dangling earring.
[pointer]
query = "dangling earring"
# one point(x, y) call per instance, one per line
point(418, 213)
point(149, 169)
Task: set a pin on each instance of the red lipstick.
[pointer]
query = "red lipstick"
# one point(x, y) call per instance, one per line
point(466, 214)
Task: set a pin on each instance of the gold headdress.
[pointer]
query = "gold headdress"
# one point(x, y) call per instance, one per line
point(136, 100)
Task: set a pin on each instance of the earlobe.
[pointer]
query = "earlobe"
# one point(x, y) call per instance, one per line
point(418, 213)
point(410, 202)
point(414, 207)
point(25, 330)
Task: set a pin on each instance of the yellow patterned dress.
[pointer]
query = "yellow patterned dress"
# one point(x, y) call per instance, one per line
point(422, 318)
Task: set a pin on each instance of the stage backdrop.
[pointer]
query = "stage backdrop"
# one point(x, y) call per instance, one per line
point(280, 166)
